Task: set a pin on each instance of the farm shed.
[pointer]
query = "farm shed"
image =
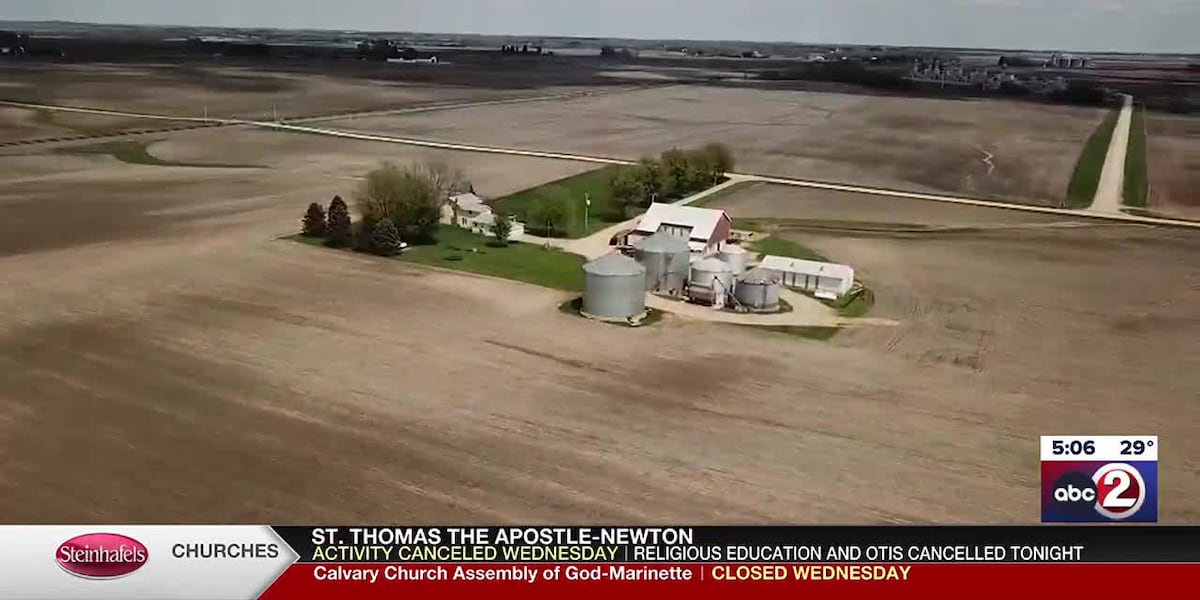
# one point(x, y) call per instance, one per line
point(822, 279)
point(705, 229)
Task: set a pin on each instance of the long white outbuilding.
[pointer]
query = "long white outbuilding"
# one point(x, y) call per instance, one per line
point(822, 279)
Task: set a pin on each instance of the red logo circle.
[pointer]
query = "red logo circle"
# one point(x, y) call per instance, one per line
point(1120, 490)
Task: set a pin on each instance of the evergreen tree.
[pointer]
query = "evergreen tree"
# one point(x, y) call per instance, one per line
point(501, 227)
point(385, 238)
point(339, 231)
point(314, 221)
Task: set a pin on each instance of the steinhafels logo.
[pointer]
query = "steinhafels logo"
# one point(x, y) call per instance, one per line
point(101, 555)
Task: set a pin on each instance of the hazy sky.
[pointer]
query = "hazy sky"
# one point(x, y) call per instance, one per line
point(1124, 25)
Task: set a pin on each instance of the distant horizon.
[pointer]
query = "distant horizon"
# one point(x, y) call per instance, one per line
point(533, 36)
point(1098, 26)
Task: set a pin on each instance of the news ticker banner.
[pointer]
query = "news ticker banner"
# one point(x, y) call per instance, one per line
point(246, 562)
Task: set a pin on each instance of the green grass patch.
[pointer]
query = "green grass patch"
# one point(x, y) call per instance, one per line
point(461, 250)
point(573, 307)
point(136, 153)
point(782, 247)
point(853, 305)
point(529, 263)
point(571, 191)
point(311, 241)
point(1136, 176)
point(1086, 177)
point(821, 334)
point(580, 219)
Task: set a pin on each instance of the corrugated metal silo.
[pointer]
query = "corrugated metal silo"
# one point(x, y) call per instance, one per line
point(711, 281)
point(614, 287)
point(758, 290)
point(666, 258)
point(735, 256)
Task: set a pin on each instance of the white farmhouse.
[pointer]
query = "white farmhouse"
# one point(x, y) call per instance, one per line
point(824, 280)
point(463, 208)
point(471, 212)
point(482, 225)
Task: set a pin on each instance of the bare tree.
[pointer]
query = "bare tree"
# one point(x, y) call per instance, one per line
point(447, 180)
point(409, 197)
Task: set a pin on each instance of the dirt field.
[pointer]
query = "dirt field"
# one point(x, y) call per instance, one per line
point(17, 124)
point(101, 200)
point(1173, 145)
point(831, 208)
point(1029, 305)
point(910, 143)
point(224, 90)
point(163, 358)
point(1044, 325)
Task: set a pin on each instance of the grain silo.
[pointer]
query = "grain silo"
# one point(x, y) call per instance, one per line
point(711, 282)
point(736, 257)
point(758, 291)
point(666, 258)
point(614, 288)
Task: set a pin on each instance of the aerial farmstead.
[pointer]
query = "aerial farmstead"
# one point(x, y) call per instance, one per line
point(690, 254)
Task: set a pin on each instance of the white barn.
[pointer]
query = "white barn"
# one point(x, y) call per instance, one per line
point(822, 279)
point(705, 229)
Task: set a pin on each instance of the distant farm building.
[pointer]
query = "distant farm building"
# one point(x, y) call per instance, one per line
point(705, 229)
point(821, 279)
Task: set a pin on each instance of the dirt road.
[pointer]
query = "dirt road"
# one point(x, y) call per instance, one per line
point(1110, 193)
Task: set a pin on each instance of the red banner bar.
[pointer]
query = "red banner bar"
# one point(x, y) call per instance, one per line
point(899, 581)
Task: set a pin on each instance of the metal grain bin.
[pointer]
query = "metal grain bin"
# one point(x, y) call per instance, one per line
point(735, 256)
point(666, 258)
point(758, 290)
point(711, 281)
point(614, 287)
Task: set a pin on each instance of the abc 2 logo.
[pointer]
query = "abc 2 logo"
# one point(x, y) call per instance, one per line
point(1099, 492)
